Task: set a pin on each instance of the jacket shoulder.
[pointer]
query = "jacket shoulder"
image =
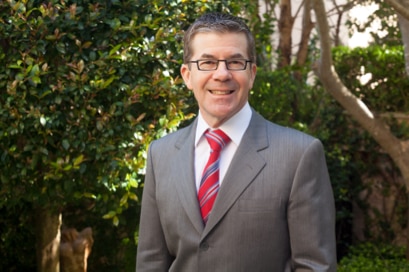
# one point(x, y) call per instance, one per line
point(175, 138)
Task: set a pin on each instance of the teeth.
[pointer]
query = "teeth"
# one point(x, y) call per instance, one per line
point(221, 92)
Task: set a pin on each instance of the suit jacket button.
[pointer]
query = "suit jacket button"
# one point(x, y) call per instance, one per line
point(204, 246)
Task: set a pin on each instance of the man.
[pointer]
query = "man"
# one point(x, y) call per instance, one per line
point(268, 203)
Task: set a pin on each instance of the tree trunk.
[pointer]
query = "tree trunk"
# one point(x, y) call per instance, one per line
point(397, 149)
point(307, 27)
point(404, 28)
point(285, 27)
point(48, 237)
point(401, 8)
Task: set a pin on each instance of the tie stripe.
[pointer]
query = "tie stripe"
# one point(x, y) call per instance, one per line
point(209, 184)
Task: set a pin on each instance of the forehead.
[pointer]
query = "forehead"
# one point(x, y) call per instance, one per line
point(219, 45)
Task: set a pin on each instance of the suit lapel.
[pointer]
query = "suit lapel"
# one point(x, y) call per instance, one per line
point(245, 166)
point(187, 188)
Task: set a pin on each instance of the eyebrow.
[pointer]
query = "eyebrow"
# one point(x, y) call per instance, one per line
point(234, 56)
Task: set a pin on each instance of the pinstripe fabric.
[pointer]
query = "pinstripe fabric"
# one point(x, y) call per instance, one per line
point(209, 184)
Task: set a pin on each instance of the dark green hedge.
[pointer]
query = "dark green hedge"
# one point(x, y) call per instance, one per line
point(369, 257)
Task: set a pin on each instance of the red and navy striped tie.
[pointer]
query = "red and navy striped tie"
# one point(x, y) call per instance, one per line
point(209, 184)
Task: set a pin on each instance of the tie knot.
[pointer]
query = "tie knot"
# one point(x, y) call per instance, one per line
point(217, 139)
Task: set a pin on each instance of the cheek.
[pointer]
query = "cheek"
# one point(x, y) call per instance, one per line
point(197, 82)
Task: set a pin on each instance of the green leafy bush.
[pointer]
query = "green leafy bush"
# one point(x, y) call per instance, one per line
point(85, 86)
point(369, 257)
point(83, 92)
point(383, 87)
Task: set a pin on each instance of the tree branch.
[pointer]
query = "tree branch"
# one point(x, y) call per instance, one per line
point(400, 6)
point(377, 128)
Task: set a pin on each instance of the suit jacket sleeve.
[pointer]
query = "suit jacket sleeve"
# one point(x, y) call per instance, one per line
point(311, 214)
point(152, 252)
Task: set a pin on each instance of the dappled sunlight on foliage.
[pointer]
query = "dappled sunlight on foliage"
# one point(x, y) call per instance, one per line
point(86, 86)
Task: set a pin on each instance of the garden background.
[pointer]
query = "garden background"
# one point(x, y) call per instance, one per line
point(85, 87)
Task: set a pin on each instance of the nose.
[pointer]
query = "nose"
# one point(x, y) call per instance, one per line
point(222, 73)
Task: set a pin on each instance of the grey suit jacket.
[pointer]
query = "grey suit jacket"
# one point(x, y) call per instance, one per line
point(274, 210)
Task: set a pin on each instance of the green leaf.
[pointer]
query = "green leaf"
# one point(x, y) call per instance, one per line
point(115, 221)
point(124, 200)
point(43, 121)
point(65, 144)
point(109, 215)
point(78, 160)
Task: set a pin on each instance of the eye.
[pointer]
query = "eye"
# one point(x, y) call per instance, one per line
point(207, 65)
point(236, 64)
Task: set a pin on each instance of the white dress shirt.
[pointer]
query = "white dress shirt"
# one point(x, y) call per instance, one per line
point(234, 128)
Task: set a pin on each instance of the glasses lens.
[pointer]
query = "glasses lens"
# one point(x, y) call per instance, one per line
point(207, 65)
point(236, 64)
point(232, 64)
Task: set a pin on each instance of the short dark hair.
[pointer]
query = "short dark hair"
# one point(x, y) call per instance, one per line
point(222, 23)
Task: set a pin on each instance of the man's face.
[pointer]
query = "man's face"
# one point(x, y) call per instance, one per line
point(220, 93)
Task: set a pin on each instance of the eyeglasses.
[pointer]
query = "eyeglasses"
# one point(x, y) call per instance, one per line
point(211, 64)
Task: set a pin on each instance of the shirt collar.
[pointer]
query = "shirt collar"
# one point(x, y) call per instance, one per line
point(233, 127)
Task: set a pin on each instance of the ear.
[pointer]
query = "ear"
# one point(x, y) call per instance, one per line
point(185, 72)
point(253, 72)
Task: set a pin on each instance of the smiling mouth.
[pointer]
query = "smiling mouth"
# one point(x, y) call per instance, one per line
point(221, 92)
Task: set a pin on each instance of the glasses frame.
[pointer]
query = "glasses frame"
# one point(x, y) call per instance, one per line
point(217, 65)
